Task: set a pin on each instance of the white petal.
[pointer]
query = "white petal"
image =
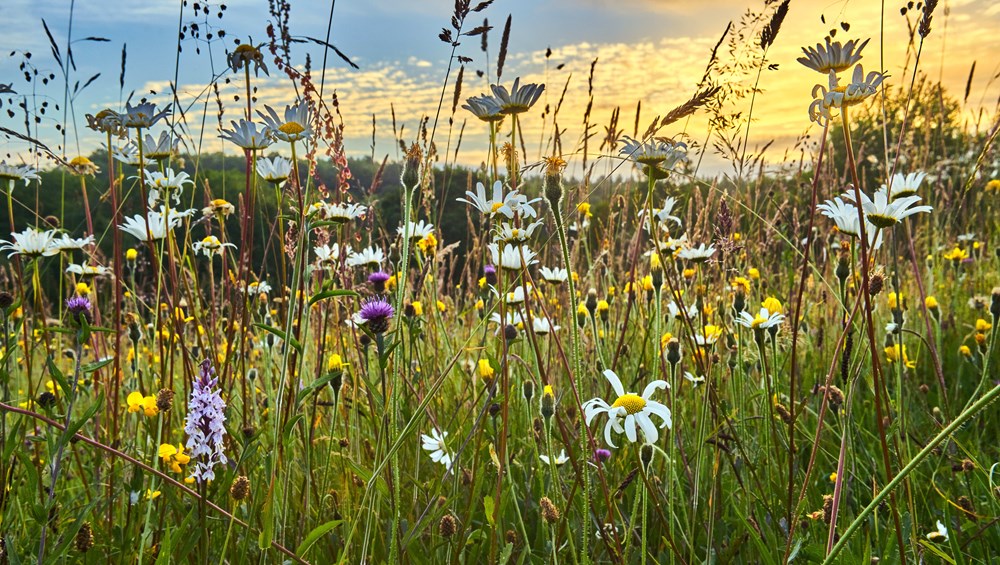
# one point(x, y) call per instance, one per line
point(616, 383)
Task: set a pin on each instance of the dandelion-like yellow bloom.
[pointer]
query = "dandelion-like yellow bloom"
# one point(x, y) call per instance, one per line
point(931, 303)
point(484, 369)
point(894, 300)
point(82, 289)
point(584, 208)
point(753, 273)
point(964, 351)
point(441, 306)
point(335, 363)
point(773, 305)
point(740, 283)
point(956, 255)
point(983, 326)
point(896, 353)
point(418, 308)
point(993, 186)
point(174, 457)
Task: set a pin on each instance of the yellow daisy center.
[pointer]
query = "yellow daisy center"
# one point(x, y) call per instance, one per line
point(291, 128)
point(496, 206)
point(632, 403)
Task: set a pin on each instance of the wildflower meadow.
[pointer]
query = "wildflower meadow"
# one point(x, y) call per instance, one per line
point(238, 330)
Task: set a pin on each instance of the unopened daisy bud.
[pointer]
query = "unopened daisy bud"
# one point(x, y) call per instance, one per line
point(510, 332)
point(646, 455)
point(494, 410)
point(591, 302)
point(410, 176)
point(739, 301)
point(552, 183)
point(84, 538)
point(528, 390)
point(548, 404)
point(843, 266)
point(240, 488)
point(673, 351)
point(447, 526)
point(549, 511)
point(6, 300)
point(164, 399)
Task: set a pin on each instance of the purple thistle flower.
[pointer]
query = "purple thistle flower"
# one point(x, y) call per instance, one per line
point(490, 272)
point(601, 455)
point(78, 306)
point(378, 280)
point(376, 312)
point(205, 424)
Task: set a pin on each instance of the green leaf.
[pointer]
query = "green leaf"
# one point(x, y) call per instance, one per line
point(75, 426)
point(267, 532)
point(273, 330)
point(315, 535)
point(330, 294)
point(91, 367)
point(290, 426)
point(489, 506)
point(57, 375)
point(507, 551)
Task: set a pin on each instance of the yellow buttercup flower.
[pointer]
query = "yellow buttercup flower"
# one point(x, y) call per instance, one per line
point(753, 273)
point(136, 402)
point(484, 369)
point(174, 457)
point(896, 353)
point(956, 255)
point(983, 326)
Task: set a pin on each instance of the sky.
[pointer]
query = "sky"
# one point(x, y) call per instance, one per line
point(648, 51)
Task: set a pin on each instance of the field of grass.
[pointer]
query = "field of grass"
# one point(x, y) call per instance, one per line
point(273, 359)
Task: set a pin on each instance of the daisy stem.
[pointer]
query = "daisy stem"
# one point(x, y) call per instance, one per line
point(578, 384)
point(225, 544)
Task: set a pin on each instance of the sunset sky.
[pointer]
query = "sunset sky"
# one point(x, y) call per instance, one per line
point(653, 51)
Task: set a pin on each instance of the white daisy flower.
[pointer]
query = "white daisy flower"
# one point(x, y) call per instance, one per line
point(88, 270)
point(542, 326)
point(509, 234)
point(167, 182)
point(142, 116)
point(416, 230)
point(484, 107)
point(343, 212)
point(511, 319)
point(66, 243)
point(275, 170)
point(660, 153)
point(161, 148)
point(327, 255)
point(884, 213)
point(14, 173)
point(435, 446)
point(554, 276)
point(261, 287)
point(762, 321)
point(30, 243)
point(294, 127)
point(210, 246)
point(674, 311)
point(691, 378)
point(845, 216)
point(497, 203)
point(630, 412)
point(368, 256)
point(136, 226)
point(127, 154)
point(833, 57)
point(697, 254)
point(513, 257)
point(663, 215)
point(520, 98)
point(246, 136)
point(905, 185)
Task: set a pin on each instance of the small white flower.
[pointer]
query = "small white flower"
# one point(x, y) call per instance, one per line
point(88, 270)
point(542, 326)
point(168, 182)
point(498, 203)
point(435, 446)
point(695, 381)
point(560, 459)
point(127, 154)
point(885, 213)
point(833, 57)
point(507, 233)
point(142, 116)
point(210, 246)
point(343, 212)
point(660, 153)
point(327, 255)
point(630, 412)
point(674, 311)
point(941, 535)
point(845, 215)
